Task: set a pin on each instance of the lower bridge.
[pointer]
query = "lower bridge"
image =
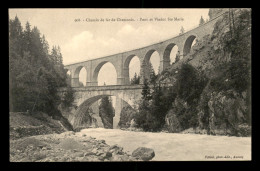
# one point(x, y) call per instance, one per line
point(85, 97)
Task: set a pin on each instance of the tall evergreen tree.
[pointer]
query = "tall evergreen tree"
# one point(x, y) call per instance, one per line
point(146, 93)
point(135, 80)
point(202, 21)
point(34, 79)
point(106, 112)
point(182, 30)
point(60, 60)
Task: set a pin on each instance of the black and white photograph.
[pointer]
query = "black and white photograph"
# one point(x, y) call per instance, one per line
point(129, 84)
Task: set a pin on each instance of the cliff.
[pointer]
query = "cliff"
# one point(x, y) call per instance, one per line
point(223, 60)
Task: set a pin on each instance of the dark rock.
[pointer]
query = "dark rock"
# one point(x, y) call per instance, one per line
point(108, 154)
point(143, 153)
point(89, 153)
point(102, 141)
point(172, 122)
point(126, 115)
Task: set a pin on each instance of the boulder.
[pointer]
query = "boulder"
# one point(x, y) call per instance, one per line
point(143, 153)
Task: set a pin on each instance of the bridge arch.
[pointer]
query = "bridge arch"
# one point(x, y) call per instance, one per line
point(148, 55)
point(76, 72)
point(167, 52)
point(86, 104)
point(75, 76)
point(98, 68)
point(127, 69)
point(188, 43)
point(145, 64)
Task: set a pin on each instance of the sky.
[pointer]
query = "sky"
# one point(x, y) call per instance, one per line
point(88, 38)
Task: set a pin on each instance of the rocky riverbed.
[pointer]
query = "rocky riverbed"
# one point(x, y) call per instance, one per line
point(71, 147)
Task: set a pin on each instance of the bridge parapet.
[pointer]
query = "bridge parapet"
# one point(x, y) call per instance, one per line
point(104, 88)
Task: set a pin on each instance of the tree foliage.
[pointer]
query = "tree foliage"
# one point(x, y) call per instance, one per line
point(182, 30)
point(106, 111)
point(190, 84)
point(202, 21)
point(68, 98)
point(34, 78)
point(135, 79)
point(237, 43)
point(155, 103)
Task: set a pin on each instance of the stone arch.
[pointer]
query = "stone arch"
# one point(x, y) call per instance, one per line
point(126, 67)
point(188, 43)
point(98, 68)
point(148, 55)
point(77, 70)
point(168, 50)
point(75, 76)
point(145, 63)
point(85, 105)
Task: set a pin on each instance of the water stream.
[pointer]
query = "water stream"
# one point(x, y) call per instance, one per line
point(177, 147)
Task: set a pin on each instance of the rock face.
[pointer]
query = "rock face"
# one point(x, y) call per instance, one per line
point(24, 125)
point(126, 115)
point(84, 119)
point(171, 119)
point(227, 113)
point(213, 12)
point(172, 122)
point(107, 119)
point(143, 153)
point(222, 109)
point(106, 112)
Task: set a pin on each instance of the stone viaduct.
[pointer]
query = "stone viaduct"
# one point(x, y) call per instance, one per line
point(121, 61)
point(88, 96)
point(128, 93)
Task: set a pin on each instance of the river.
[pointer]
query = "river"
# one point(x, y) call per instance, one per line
point(177, 147)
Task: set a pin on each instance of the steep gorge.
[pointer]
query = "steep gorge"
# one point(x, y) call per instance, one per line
point(222, 59)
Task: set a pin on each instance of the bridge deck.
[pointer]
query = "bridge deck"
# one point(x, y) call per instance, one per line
point(105, 88)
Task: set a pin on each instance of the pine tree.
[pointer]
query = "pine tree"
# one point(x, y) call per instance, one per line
point(146, 93)
point(59, 56)
point(34, 80)
point(182, 30)
point(27, 39)
point(106, 112)
point(45, 45)
point(54, 55)
point(16, 36)
point(135, 80)
point(202, 21)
